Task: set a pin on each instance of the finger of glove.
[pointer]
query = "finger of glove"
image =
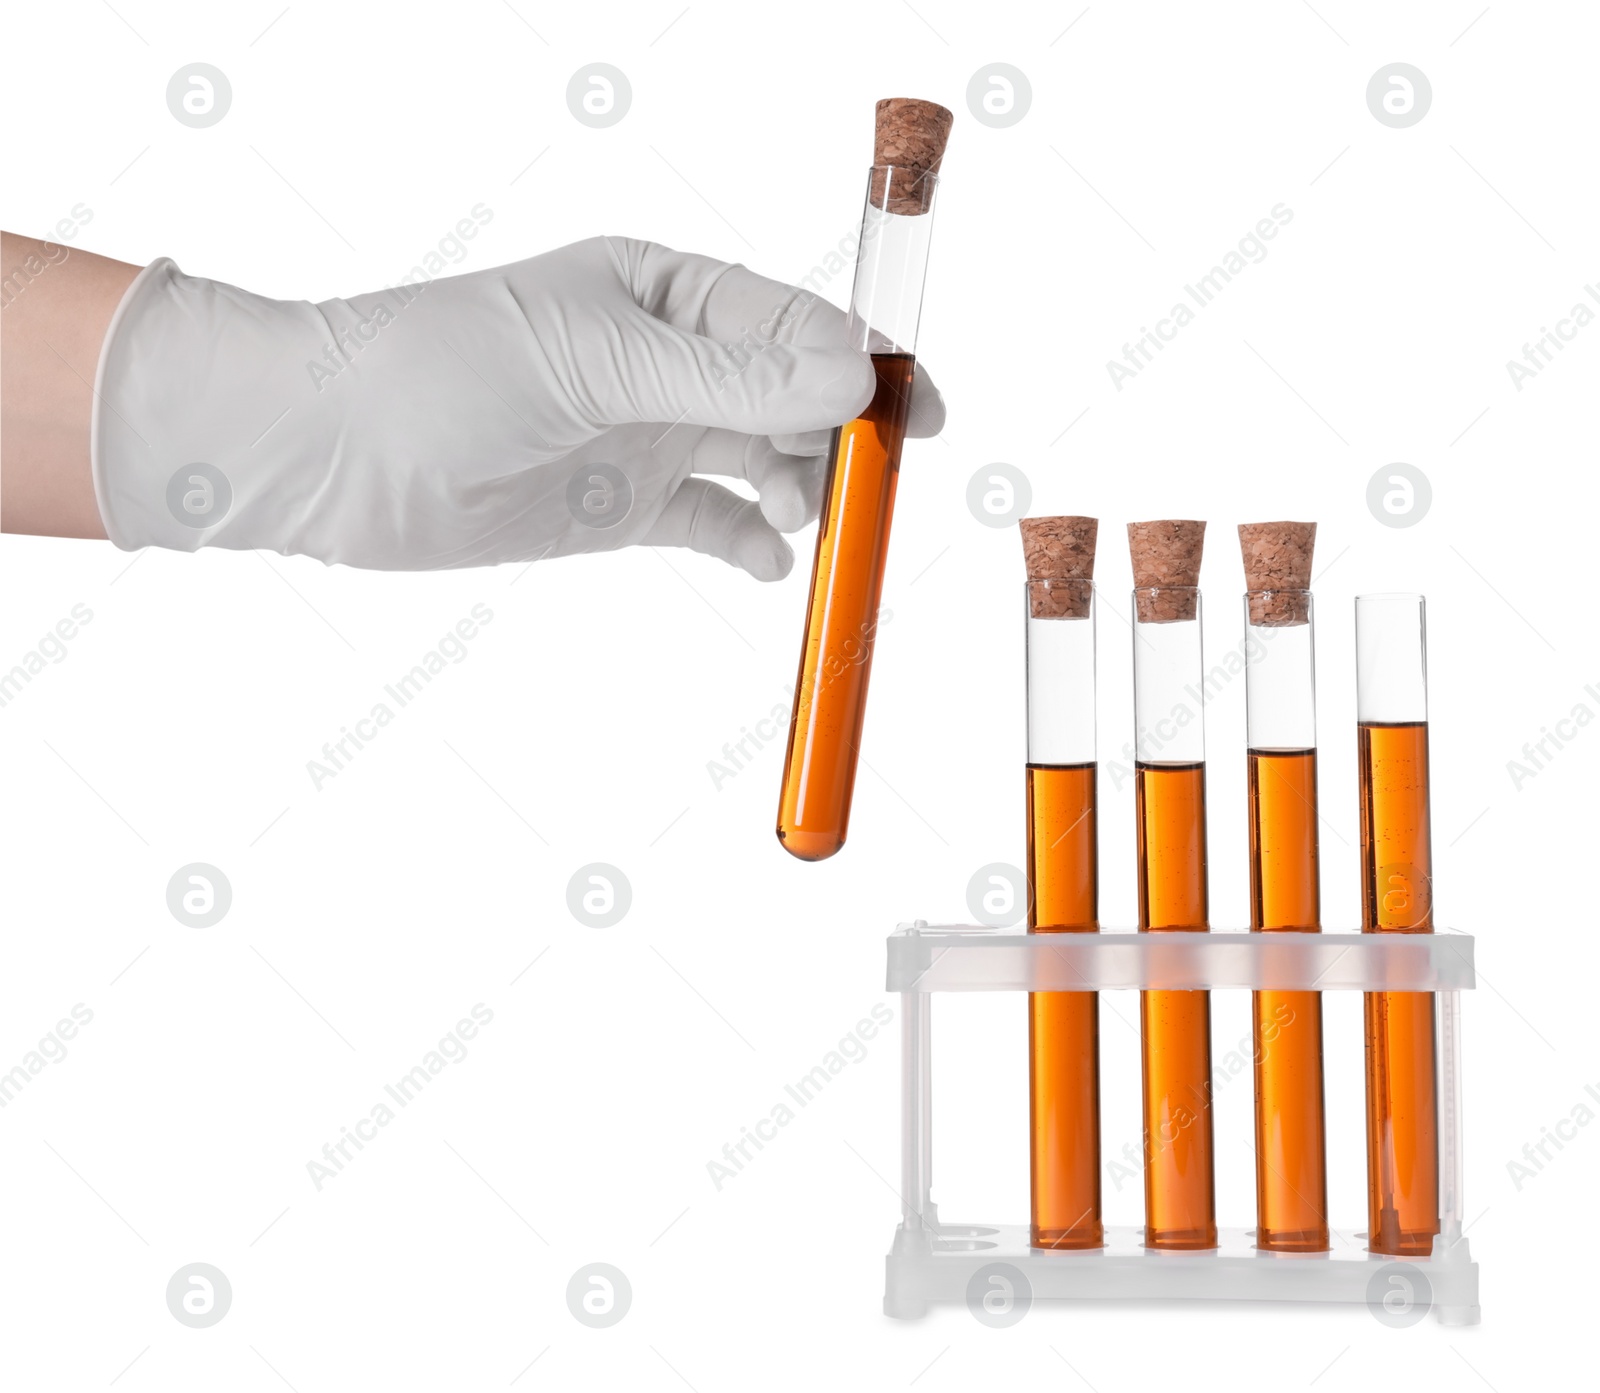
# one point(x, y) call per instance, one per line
point(708, 518)
point(656, 372)
point(924, 419)
point(790, 486)
point(741, 307)
point(926, 416)
point(746, 313)
point(723, 300)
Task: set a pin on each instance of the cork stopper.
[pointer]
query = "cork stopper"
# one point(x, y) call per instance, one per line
point(911, 136)
point(1277, 570)
point(1059, 555)
point(1166, 568)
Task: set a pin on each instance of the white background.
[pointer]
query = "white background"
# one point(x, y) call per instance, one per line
point(370, 915)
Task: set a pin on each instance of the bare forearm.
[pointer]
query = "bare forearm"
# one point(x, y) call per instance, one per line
point(55, 307)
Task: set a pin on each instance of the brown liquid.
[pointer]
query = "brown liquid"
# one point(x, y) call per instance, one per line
point(1175, 1027)
point(1285, 894)
point(842, 618)
point(1064, 1027)
point(1397, 884)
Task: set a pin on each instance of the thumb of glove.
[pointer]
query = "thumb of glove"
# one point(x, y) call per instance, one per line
point(710, 519)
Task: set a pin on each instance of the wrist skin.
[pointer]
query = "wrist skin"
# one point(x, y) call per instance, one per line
point(56, 304)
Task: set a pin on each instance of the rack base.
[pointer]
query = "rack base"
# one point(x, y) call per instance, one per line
point(933, 1264)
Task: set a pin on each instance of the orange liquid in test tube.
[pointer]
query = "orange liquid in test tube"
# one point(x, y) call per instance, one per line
point(842, 618)
point(1285, 895)
point(1402, 1105)
point(1179, 1184)
point(1064, 1027)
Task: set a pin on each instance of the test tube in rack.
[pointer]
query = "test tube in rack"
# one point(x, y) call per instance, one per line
point(1397, 897)
point(1285, 881)
point(1170, 792)
point(1063, 878)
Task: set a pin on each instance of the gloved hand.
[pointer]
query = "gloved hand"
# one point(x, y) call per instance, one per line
point(554, 406)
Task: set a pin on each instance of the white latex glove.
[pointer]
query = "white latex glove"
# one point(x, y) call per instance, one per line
point(554, 406)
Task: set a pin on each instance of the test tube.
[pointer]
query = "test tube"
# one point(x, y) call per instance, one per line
point(858, 498)
point(1063, 878)
point(1397, 897)
point(1285, 881)
point(1170, 790)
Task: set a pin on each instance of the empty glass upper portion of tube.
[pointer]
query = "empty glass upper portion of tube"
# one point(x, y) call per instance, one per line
point(1391, 659)
point(1061, 709)
point(1168, 676)
point(1280, 670)
point(892, 259)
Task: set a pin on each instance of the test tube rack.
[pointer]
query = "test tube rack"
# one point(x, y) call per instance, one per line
point(933, 1262)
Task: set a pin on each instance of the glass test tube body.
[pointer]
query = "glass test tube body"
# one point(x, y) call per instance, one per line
point(1175, 1026)
point(1397, 897)
point(853, 530)
point(1285, 895)
point(1063, 897)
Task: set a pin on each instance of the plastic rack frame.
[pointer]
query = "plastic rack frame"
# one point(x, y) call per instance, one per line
point(933, 1262)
